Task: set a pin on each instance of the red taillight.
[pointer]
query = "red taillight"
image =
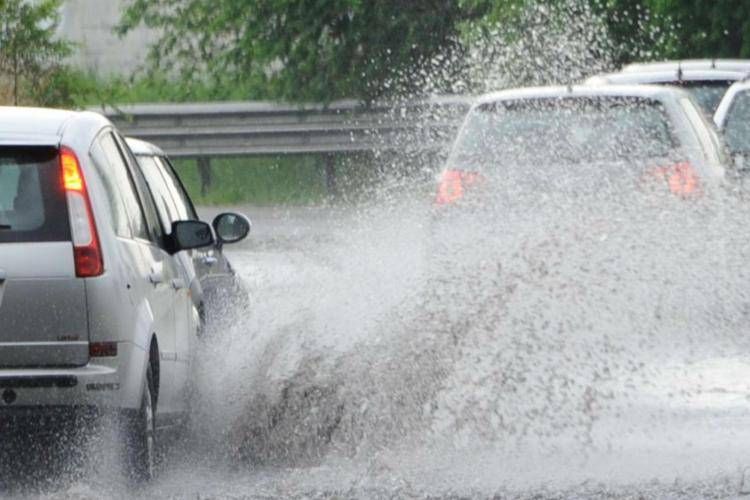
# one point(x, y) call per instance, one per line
point(86, 250)
point(452, 185)
point(681, 178)
point(103, 349)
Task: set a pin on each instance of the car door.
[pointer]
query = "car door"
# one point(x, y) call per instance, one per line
point(184, 311)
point(159, 276)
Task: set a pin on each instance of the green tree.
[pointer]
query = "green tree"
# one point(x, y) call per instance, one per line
point(304, 49)
point(716, 28)
point(30, 52)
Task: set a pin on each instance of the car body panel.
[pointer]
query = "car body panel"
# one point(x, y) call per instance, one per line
point(690, 64)
point(43, 316)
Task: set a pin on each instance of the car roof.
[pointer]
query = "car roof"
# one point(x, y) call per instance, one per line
point(642, 91)
point(22, 125)
point(143, 148)
point(690, 64)
point(667, 76)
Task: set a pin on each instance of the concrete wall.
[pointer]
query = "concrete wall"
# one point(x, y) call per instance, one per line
point(89, 24)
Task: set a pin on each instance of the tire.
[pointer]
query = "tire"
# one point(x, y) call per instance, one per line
point(140, 436)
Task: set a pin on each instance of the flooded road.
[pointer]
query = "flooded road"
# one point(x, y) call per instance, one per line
point(368, 368)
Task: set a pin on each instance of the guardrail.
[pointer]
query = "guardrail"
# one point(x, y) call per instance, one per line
point(208, 130)
point(262, 128)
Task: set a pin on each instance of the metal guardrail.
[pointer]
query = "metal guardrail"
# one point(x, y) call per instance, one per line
point(260, 128)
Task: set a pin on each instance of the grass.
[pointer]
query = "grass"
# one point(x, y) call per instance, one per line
point(283, 180)
point(292, 180)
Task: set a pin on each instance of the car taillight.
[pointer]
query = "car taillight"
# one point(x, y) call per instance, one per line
point(681, 178)
point(103, 349)
point(86, 250)
point(453, 184)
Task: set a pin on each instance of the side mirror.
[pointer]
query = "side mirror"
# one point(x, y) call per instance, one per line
point(188, 234)
point(231, 227)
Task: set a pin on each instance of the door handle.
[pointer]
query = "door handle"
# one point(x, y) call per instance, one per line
point(155, 277)
point(178, 283)
point(3, 275)
point(209, 260)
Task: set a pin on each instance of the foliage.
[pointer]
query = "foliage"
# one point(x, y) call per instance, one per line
point(300, 50)
point(716, 28)
point(30, 53)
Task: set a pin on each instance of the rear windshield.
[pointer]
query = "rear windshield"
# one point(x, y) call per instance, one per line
point(32, 202)
point(737, 127)
point(563, 130)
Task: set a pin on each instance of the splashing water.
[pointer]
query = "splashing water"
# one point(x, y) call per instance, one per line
point(538, 342)
point(562, 345)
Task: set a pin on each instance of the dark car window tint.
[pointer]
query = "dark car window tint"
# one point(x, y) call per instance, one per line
point(155, 227)
point(708, 94)
point(32, 200)
point(563, 131)
point(181, 198)
point(123, 183)
point(168, 212)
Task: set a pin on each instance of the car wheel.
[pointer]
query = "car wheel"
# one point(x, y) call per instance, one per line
point(140, 436)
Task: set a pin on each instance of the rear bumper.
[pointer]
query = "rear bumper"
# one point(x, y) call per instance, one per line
point(113, 382)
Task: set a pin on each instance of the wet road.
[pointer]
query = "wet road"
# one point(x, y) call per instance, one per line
point(331, 388)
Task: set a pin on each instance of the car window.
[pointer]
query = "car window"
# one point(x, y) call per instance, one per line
point(32, 201)
point(156, 230)
point(181, 198)
point(120, 190)
point(708, 94)
point(562, 131)
point(737, 128)
point(168, 212)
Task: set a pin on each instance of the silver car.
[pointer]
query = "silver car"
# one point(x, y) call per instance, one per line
point(214, 285)
point(96, 312)
point(707, 80)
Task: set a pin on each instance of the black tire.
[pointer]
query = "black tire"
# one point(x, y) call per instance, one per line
point(140, 436)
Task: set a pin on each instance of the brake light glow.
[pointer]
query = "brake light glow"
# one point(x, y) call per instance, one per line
point(681, 178)
point(86, 249)
point(72, 180)
point(453, 184)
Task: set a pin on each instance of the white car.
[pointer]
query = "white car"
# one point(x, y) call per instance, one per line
point(552, 137)
point(96, 314)
point(707, 80)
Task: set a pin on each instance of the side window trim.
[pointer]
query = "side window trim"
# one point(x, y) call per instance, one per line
point(97, 143)
point(170, 171)
point(694, 115)
point(153, 222)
